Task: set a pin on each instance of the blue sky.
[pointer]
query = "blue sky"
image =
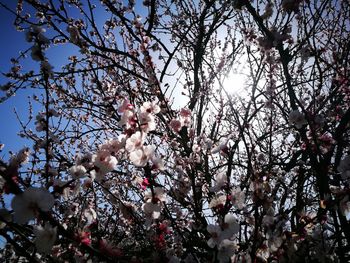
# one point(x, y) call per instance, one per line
point(10, 45)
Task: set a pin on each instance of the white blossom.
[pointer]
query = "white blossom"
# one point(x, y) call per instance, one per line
point(230, 227)
point(344, 206)
point(220, 181)
point(147, 122)
point(105, 161)
point(237, 198)
point(77, 171)
point(215, 232)
point(226, 250)
point(128, 119)
point(218, 233)
point(135, 141)
point(22, 157)
point(150, 107)
point(45, 238)
point(126, 106)
point(297, 118)
point(40, 122)
point(158, 194)
point(221, 146)
point(90, 215)
point(27, 204)
point(152, 207)
point(152, 210)
point(344, 168)
point(218, 201)
point(140, 157)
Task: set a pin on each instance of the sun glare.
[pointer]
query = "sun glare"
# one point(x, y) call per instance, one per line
point(234, 83)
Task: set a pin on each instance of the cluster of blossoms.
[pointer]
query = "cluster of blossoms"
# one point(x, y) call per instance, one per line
point(153, 203)
point(344, 169)
point(22, 157)
point(144, 119)
point(45, 237)
point(221, 236)
point(36, 34)
point(290, 6)
point(27, 206)
point(138, 124)
point(297, 118)
point(184, 120)
point(139, 154)
point(96, 166)
point(106, 158)
point(41, 121)
point(130, 144)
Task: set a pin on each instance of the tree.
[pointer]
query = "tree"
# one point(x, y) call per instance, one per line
point(141, 153)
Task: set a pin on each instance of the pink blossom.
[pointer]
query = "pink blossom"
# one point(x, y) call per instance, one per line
point(175, 125)
point(135, 141)
point(140, 157)
point(104, 161)
point(150, 107)
point(147, 122)
point(126, 106)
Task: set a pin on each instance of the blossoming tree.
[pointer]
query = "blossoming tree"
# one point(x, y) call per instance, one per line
point(141, 151)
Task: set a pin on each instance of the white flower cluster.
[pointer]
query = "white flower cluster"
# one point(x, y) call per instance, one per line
point(344, 168)
point(106, 158)
point(45, 237)
point(36, 34)
point(222, 235)
point(22, 157)
point(28, 204)
point(40, 119)
point(108, 155)
point(237, 198)
point(297, 118)
point(139, 153)
point(152, 207)
point(145, 117)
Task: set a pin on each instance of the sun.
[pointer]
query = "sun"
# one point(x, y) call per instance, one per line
point(234, 83)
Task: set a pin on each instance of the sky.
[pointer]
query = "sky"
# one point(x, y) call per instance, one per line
point(11, 43)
